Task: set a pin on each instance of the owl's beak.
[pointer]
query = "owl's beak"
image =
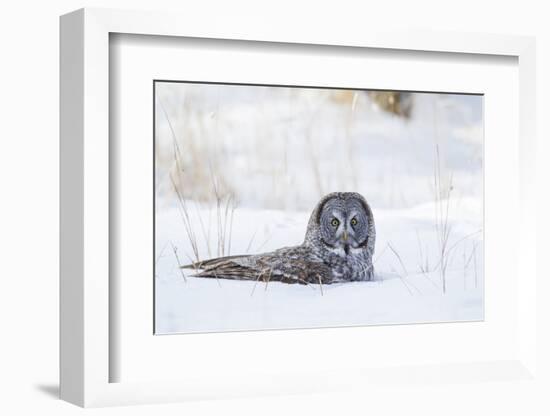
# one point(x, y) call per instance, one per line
point(345, 236)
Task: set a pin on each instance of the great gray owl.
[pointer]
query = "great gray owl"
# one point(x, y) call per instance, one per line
point(338, 247)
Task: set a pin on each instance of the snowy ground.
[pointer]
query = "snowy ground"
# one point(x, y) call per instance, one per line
point(402, 293)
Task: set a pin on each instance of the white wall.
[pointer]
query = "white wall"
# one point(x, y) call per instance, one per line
point(29, 184)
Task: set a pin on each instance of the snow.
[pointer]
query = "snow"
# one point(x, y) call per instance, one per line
point(400, 293)
point(271, 154)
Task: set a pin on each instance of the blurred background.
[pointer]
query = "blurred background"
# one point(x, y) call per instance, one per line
point(283, 148)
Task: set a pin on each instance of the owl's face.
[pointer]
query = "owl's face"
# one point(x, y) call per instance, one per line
point(344, 224)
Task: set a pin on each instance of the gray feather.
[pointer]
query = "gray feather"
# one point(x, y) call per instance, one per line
point(338, 246)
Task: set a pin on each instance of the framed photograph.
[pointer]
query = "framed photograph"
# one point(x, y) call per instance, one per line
point(227, 197)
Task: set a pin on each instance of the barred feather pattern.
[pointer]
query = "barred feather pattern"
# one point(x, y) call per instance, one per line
point(314, 261)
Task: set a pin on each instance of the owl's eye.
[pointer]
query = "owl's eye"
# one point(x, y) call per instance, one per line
point(353, 221)
point(335, 222)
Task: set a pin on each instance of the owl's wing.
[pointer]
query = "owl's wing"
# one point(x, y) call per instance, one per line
point(203, 264)
point(287, 265)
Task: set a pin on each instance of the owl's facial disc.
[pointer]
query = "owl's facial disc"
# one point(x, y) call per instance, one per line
point(341, 224)
point(342, 230)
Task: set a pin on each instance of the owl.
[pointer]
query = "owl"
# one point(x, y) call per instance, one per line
point(338, 247)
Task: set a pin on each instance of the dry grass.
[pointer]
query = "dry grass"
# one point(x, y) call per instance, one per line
point(467, 261)
point(184, 213)
point(175, 250)
point(224, 201)
point(225, 211)
point(403, 276)
point(314, 162)
point(442, 225)
point(424, 261)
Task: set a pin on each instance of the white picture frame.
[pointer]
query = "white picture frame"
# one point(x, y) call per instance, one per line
point(85, 354)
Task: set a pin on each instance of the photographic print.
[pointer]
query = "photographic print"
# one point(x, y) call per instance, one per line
point(280, 207)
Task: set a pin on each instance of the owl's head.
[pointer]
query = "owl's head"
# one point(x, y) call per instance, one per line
point(343, 222)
